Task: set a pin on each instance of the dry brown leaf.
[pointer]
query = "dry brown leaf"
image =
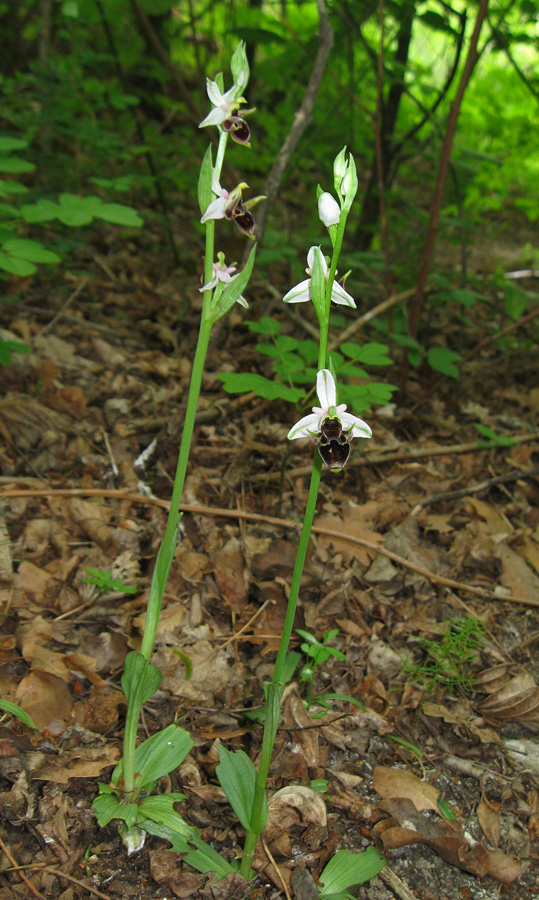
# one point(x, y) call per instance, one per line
point(296, 716)
point(490, 680)
point(99, 711)
point(401, 783)
point(488, 815)
point(193, 566)
point(517, 699)
point(408, 826)
point(32, 639)
point(92, 517)
point(496, 524)
point(341, 545)
point(6, 563)
point(228, 568)
point(293, 805)
point(47, 700)
point(517, 575)
point(36, 584)
point(529, 550)
point(84, 762)
point(462, 715)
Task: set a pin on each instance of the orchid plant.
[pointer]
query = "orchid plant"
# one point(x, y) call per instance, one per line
point(129, 797)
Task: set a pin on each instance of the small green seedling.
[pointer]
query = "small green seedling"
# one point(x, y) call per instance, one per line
point(105, 583)
point(448, 662)
point(318, 653)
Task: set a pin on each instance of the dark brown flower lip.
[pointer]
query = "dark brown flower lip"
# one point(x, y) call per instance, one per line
point(238, 129)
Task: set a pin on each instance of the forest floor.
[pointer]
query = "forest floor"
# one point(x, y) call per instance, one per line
point(436, 761)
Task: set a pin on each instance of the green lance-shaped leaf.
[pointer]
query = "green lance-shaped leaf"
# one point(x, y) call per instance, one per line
point(158, 755)
point(205, 193)
point(108, 806)
point(140, 679)
point(197, 852)
point(233, 291)
point(237, 776)
point(347, 868)
point(160, 809)
point(14, 710)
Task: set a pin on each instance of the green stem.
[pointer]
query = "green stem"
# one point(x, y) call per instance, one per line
point(275, 689)
point(170, 538)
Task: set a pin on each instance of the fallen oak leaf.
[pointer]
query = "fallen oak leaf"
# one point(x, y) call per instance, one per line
point(401, 783)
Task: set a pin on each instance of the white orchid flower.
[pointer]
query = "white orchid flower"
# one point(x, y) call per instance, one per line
point(224, 274)
point(310, 426)
point(329, 426)
point(302, 291)
point(224, 105)
point(229, 205)
point(329, 210)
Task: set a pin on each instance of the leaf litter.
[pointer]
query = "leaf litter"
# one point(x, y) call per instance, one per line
point(444, 781)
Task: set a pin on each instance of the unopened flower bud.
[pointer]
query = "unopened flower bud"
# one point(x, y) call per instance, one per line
point(328, 209)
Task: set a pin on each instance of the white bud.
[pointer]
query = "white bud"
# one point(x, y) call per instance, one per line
point(328, 209)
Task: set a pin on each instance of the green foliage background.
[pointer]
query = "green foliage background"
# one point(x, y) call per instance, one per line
point(102, 100)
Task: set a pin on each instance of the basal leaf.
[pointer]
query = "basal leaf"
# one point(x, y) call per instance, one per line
point(237, 777)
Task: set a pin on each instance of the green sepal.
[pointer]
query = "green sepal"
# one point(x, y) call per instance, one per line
point(346, 869)
point(157, 756)
point(140, 679)
point(318, 289)
point(232, 291)
point(205, 193)
point(237, 776)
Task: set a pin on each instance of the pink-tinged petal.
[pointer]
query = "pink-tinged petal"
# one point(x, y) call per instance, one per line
point(326, 390)
point(306, 427)
point(341, 297)
point(216, 210)
point(299, 293)
point(360, 429)
point(216, 187)
point(215, 117)
point(209, 286)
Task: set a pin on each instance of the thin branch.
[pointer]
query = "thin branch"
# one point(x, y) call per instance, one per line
point(445, 157)
point(302, 118)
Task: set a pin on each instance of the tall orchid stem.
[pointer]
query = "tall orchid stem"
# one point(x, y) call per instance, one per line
point(275, 689)
point(170, 538)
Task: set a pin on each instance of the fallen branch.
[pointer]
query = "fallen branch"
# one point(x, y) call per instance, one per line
point(474, 488)
point(288, 524)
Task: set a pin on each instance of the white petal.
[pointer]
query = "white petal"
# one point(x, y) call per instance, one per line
point(216, 210)
point(209, 286)
point(360, 429)
point(306, 427)
point(243, 302)
point(214, 93)
point(341, 297)
point(215, 186)
point(326, 390)
point(329, 210)
point(215, 117)
point(299, 293)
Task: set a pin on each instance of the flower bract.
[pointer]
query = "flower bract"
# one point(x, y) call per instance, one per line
point(302, 291)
